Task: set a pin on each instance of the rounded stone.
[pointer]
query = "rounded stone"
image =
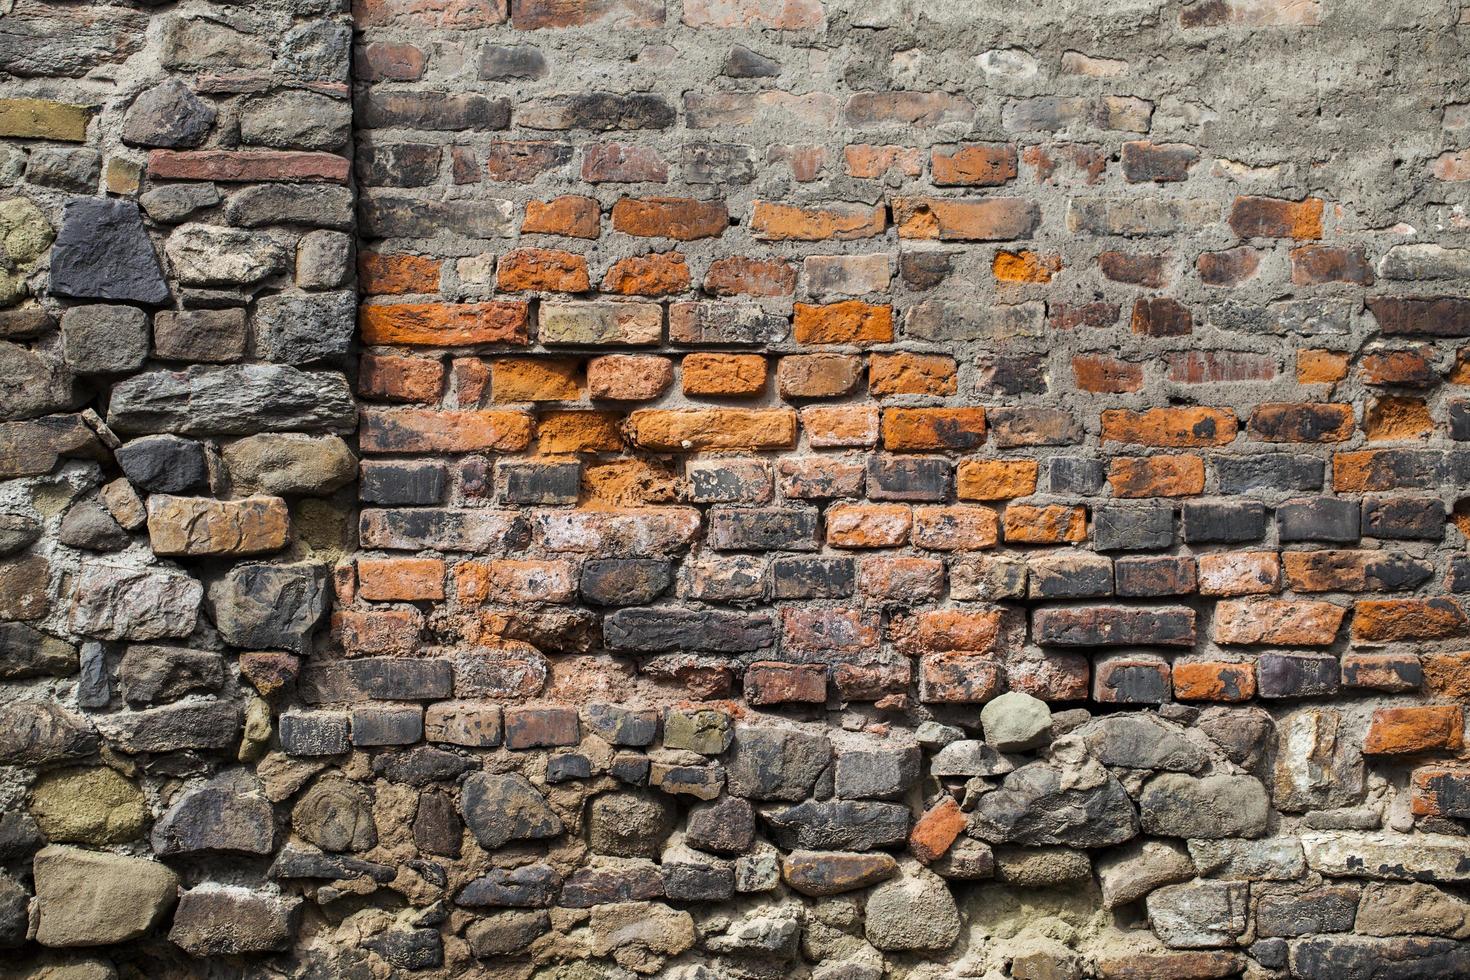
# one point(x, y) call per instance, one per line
point(913, 912)
point(629, 824)
point(335, 815)
point(1015, 722)
point(88, 806)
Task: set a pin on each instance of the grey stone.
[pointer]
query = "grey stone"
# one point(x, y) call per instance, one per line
point(27, 652)
point(742, 62)
point(102, 252)
point(1432, 858)
point(535, 886)
point(911, 913)
point(202, 42)
point(724, 826)
point(1016, 722)
point(208, 336)
point(621, 725)
point(91, 898)
point(877, 773)
point(208, 255)
point(1045, 804)
point(267, 607)
point(1358, 958)
point(173, 203)
point(1330, 908)
point(1041, 867)
point(966, 860)
point(289, 464)
point(94, 683)
point(317, 49)
point(506, 932)
point(1243, 734)
point(19, 835)
point(150, 674)
point(1199, 914)
point(313, 733)
point(1141, 741)
point(230, 813)
point(168, 115)
point(120, 602)
point(500, 808)
point(35, 382)
point(305, 328)
point(1128, 873)
point(502, 62)
point(164, 464)
point(234, 400)
point(437, 828)
point(630, 824)
point(967, 758)
point(1220, 805)
point(1319, 764)
point(776, 763)
point(323, 259)
point(839, 825)
point(335, 815)
point(228, 920)
point(640, 935)
point(17, 532)
point(296, 862)
point(775, 935)
point(422, 766)
point(296, 120)
point(319, 205)
point(38, 733)
point(89, 525)
point(1272, 859)
point(76, 170)
point(1392, 909)
point(15, 904)
point(190, 725)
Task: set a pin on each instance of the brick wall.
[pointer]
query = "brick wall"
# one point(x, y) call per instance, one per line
point(734, 488)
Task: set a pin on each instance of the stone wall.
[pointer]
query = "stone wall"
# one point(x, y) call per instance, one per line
point(734, 488)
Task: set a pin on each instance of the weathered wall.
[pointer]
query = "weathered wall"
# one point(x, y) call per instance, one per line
point(846, 490)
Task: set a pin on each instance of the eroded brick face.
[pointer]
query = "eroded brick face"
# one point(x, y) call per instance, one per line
point(554, 489)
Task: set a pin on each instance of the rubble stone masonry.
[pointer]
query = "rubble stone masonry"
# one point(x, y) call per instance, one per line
point(702, 489)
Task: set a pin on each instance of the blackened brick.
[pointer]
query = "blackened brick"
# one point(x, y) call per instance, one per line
point(531, 727)
point(540, 483)
point(1318, 519)
point(502, 62)
point(313, 733)
point(1297, 675)
point(812, 578)
point(398, 164)
point(1458, 411)
point(655, 629)
point(448, 111)
point(382, 725)
point(1110, 626)
point(746, 481)
point(1068, 474)
point(1075, 575)
point(401, 484)
point(908, 478)
point(1223, 520)
point(1144, 576)
point(1133, 528)
point(763, 529)
point(1403, 518)
point(1269, 471)
point(625, 581)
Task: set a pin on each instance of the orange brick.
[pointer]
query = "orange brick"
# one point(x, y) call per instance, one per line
point(1173, 428)
point(570, 217)
point(692, 430)
point(960, 528)
point(972, 631)
point(1052, 524)
point(869, 162)
point(425, 430)
point(1406, 731)
point(868, 525)
point(848, 322)
point(936, 831)
point(1213, 680)
point(1156, 476)
point(727, 375)
point(513, 581)
point(629, 377)
point(973, 165)
point(1025, 266)
point(400, 379)
point(773, 222)
point(680, 218)
point(1235, 573)
point(840, 427)
point(657, 274)
point(1106, 375)
point(1390, 418)
point(817, 375)
point(964, 220)
point(995, 479)
point(912, 374)
point(1391, 620)
point(933, 428)
point(1277, 622)
point(1315, 367)
point(1269, 217)
point(1447, 675)
point(738, 275)
point(540, 380)
point(400, 579)
point(444, 324)
point(579, 432)
point(543, 270)
point(391, 275)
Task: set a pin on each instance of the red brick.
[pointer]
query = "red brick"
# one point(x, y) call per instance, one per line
point(1277, 622)
point(542, 270)
point(933, 428)
point(1269, 217)
point(657, 274)
point(400, 379)
point(387, 275)
point(1213, 680)
point(1219, 366)
point(870, 162)
point(1230, 267)
point(849, 322)
point(452, 14)
point(629, 377)
point(958, 528)
point(1051, 524)
point(1301, 422)
point(1391, 620)
point(937, 830)
point(410, 430)
point(247, 166)
point(1161, 317)
point(868, 525)
point(738, 275)
point(1106, 375)
point(904, 373)
point(511, 582)
point(1236, 573)
point(1134, 268)
point(964, 219)
point(768, 682)
point(840, 427)
point(681, 219)
point(973, 165)
point(384, 61)
point(622, 163)
point(1170, 427)
point(579, 432)
point(775, 222)
point(1313, 265)
point(569, 216)
point(948, 678)
point(378, 632)
point(531, 15)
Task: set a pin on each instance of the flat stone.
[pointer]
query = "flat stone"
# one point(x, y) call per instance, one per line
point(1270, 859)
point(120, 602)
point(92, 898)
point(270, 606)
point(102, 252)
point(209, 255)
point(34, 383)
point(1351, 957)
point(1200, 914)
point(819, 873)
point(173, 203)
point(500, 808)
point(1142, 741)
point(230, 814)
point(506, 932)
point(169, 115)
point(188, 725)
point(15, 903)
point(839, 825)
point(1131, 872)
point(769, 763)
point(27, 652)
point(1044, 804)
point(38, 733)
point(150, 674)
point(227, 920)
point(203, 526)
point(1392, 909)
point(535, 886)
point(1221, 805)
point(884, 771)
point(241, 399)
point(296, 862)
point(296, 120)
point(25, 588)
point(1041, 867)
point(88, 806)
point(911, 913)
point(1434, 858)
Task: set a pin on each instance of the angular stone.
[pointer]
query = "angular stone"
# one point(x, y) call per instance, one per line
point(1434, 858)
point(91, 898)
point(302, 862)
point(170, 115)
point(880, 772)
point(335, 815)
point(707, 732)
point(27, 652)
point(295, 328)
point(640, 935)
point(230, 813)
point(625, 881)
point(209, 255)
point(776, 763)
point(1388, 909)
point(911, 913)
point(188, 725)
point(38, 733)
point(506, 932)
point(1141, 741)
point(1299, 913)
point(629, 824)
point(1200, 914)
point(88, 806)
point(1318, 764)
point(1351, 957)
point(228, 920)
point(234, 400)
point(967, 758)
point(725, 826)
point(839, 825)
point(1220, 805)
point(164, 464)
point(117, 602)
point(202, 526)
point(619, 725)
point(89, 526)
point(318, 205)
point(820, 873)
point(1129, 873)
point(1043, 804)
point(270, 606)
point(102, 252)
point(104, 339)
point(500, 808)
point(34, 383)
point(25, 584)
point(1271, 859)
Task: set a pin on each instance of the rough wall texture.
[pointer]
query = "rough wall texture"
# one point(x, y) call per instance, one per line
point(734, 488)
